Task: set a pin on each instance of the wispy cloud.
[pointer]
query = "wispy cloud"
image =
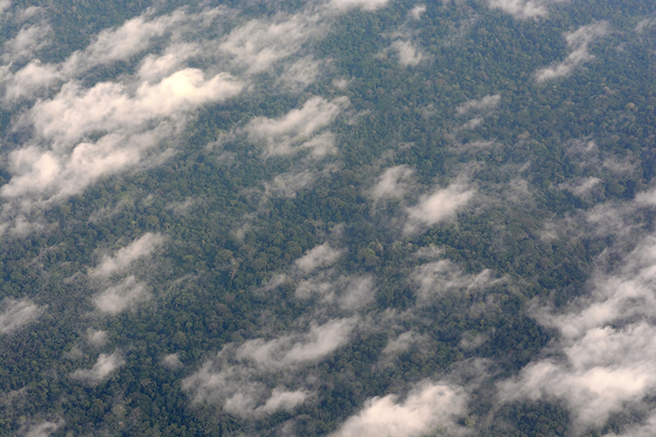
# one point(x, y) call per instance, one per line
point(319, 256)
point(288, 184)
point(258, 45)
point(282, 400)
point(523, 9)
point(319, 342)
point(428, 408)
point(645, 429)
point(142, 247)
point(484, 105)
point(366, 5)
point(82, 133)
point(402, 343)
point(4, 5)
point(393, 183)
point(578, 42)
point(441, 205)
point(644, 24)
point(295, 131)
point(437, 278)
point(172, 361)
point(97, 338)
point(125, 41)
point(28, 40)
point(120, 297)
point(101, 370)
point(43, 429)
point(68, 164)
point(18, 313)
point(408, 53)
point(581, 186)
point(240, 379)
point(608, 345)
point(417, 12)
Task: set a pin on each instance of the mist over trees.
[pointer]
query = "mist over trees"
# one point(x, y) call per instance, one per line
point(335, 217)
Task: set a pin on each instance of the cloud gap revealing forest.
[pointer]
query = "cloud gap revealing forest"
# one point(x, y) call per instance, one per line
point(395, 218)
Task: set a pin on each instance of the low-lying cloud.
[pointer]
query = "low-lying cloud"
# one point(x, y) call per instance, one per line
point(43, 429)
point(319, 342)
point(319, 256)
point(484, 105)
point(101, 370)
point(608, 346)
point(441, 205)
point(435, 279)
point(408, 53)
point(121, 297)
point(140, 248)
point(295, 131)
point(393, 183)
point(578, 42)
point(430, 407)
point(366, 5)
point(16, 314)
point(258, 45)
point(240, 378)
point(523, 9)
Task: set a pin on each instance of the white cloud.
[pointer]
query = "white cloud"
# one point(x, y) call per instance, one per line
point(240, 394)
point(182, 207)
point(438, 206)
point(315, 286)
point(609, 345)
point(4, 5)
point(282, 400)
point(366, 5)
point(154, 68)
point(97, 338)
point(26, 42)
point(43, 429)
point(644, 24)
point(258, 45)
point(120, 297)
point(125, 41)
point(409, 55)
point(484, 105)
point(104, 367)
point(122, 43)
point(172, 361)
point(319, 256)
point(428, 408)
point(523, 9)
point(417, 11)
point(301, 74)
point(288, 184)
point(440, 277)
point(319, 342)
point(401, 343)
point(582, 186)
point(358, 292)
point(290, 134)
point(646, 429)
point(32, 77)
point(393, 183)
point(18, 313)
point(241, 379)
point(107, 106)
point(578, 42)
point(141, 247)
point(68, 166)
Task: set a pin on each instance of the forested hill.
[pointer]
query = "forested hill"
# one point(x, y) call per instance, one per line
point(330, 217)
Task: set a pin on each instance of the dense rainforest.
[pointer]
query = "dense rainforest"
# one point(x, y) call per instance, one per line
point(342, 217)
